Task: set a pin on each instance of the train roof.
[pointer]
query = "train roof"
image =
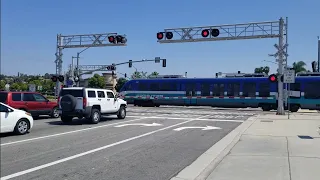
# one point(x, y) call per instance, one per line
point(223, 78)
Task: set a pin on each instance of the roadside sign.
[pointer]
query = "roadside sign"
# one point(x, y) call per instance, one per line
point(32, 87)
point(289, 76)
point(7, 86)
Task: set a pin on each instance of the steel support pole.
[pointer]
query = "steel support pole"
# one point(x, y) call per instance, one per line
point(280, 110)
point(288, 85)
point(318, 54)
point(58, 62)
point(78, 70)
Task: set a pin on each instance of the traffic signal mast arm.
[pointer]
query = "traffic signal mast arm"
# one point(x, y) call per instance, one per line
point(92, 68)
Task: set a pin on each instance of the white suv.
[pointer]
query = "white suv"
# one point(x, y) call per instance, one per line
point(90, 103)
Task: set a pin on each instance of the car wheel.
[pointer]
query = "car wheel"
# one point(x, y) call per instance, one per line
point(122, 112)
point(55, 113)
point(22, 127)
point(66, 119)
point(95, 116)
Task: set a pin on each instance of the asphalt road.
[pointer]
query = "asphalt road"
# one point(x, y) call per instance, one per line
point(167, 140)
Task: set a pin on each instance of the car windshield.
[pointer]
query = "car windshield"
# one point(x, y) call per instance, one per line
point(3, 97)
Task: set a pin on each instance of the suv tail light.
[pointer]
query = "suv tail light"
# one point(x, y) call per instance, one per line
point(84, 100)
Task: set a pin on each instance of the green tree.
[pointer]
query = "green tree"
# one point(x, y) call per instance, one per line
point(97, 81)
point(299, 66)
point(14, 87)
point(120, 83)
point(2, 84)
point(23, 86)
point(265, 69)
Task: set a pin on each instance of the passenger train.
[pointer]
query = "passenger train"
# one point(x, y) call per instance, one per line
point(228, 92)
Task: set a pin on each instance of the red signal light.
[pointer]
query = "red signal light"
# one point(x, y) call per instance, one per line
point(273, 78)
point(111, 39)
point(160, 35)
point(205, 33)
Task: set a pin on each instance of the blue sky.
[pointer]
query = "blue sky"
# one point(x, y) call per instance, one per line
point(29, 29)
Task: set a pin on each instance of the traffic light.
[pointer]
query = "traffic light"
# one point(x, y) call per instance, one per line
point(205, 33)
point(130, 63)
point(125, 75)
point(273, 78)
point(54, 78)
point(314, 66)
point(164, 63)
point(160, 35)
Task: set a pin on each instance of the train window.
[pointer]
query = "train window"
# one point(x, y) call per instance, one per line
point(264, 90)
point(154, 87)
point(205, 89)
point(311, 90)
point(295, 87)
point(249, 90)
point(165, 87)
point(218, 90)
point(191, 89)
point(233, 89)
point(173, 86)
point(142, 86)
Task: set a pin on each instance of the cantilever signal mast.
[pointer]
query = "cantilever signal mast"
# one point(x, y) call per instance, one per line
point(255, 30)
point(84, 41)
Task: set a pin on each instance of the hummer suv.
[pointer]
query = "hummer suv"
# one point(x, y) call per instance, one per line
point(89, 103)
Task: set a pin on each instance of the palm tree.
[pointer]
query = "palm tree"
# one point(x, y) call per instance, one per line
point(299, 66)
point(153, 74)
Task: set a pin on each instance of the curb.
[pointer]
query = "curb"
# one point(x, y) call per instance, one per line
point(202, 167)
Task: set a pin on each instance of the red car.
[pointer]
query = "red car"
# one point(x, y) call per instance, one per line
point(32, 102)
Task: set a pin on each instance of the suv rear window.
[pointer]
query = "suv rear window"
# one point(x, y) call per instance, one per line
point(3, 97)
point(74, 92)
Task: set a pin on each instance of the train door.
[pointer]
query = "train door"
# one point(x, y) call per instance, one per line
point(191, 94)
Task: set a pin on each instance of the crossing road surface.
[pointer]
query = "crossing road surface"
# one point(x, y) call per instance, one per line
point(150, 144)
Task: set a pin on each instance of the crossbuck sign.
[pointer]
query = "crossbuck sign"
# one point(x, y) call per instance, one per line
point(289, 76)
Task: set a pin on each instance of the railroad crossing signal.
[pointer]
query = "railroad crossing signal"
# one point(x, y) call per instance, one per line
point(56, 78)
point(273, 78)
point(280, 51)
point(111, 68)
point(117, 39)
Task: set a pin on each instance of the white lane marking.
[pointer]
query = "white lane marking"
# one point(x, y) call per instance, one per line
point(197, 119)
point(70, 132)
point(87, 152)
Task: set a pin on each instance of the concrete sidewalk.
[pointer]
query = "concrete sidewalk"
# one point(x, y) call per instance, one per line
point(272, 147)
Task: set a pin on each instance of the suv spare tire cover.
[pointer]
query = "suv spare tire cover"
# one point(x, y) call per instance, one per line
point(68, 103)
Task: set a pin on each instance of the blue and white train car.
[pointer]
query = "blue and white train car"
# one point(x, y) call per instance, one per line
point(237, 92)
